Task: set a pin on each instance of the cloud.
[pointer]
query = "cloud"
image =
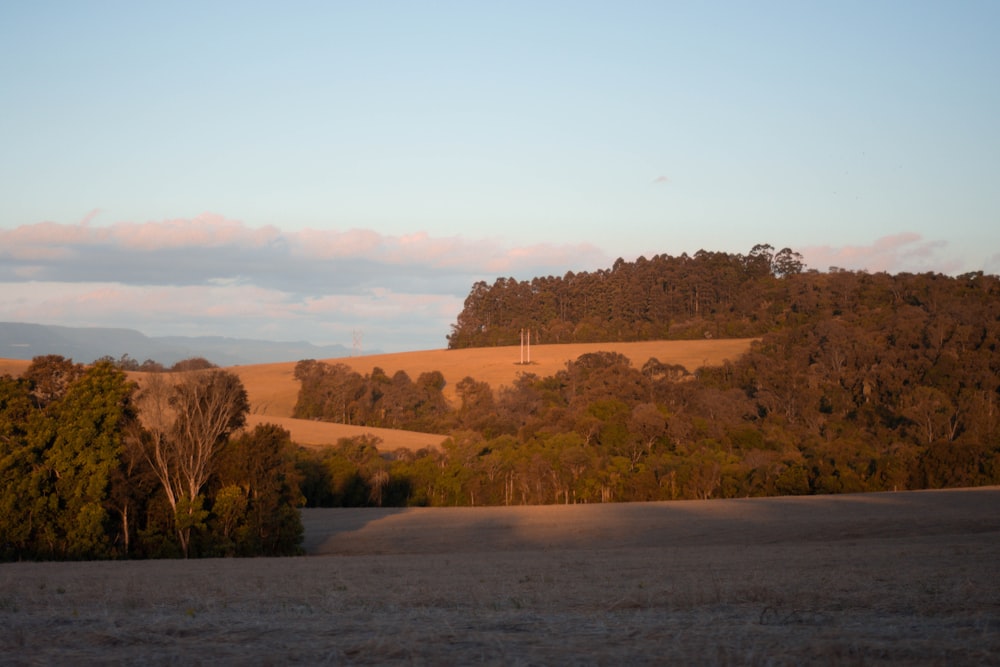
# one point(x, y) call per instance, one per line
point(213, 276)
point(660, 180)
point(906, 252)
point(992, 264)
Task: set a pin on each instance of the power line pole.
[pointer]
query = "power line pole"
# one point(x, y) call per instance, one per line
point(356, 336)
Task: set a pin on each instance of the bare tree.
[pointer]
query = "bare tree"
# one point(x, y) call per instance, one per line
point(186, 423)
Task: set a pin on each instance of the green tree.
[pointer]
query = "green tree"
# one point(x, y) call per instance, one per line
point(256, 504)
point(59, 448)
point(87, 448)
point(18, 463)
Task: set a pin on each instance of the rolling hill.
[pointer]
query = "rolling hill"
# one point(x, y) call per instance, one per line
point(273, 390)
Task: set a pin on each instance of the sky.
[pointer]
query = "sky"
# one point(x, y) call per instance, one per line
point(344, 172)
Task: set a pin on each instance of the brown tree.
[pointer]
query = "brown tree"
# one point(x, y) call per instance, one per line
point(187, 420)
point(50, 377)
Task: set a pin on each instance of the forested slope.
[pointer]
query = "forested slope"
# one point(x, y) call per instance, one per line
point(859, 382)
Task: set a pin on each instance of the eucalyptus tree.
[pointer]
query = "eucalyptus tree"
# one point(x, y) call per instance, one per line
point(187, 420)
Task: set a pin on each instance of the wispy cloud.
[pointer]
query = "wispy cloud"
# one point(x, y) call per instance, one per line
point(905, 252)
point(660, 180)
point(212, 275)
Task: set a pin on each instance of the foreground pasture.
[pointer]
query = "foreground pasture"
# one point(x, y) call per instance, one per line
point(903, 578)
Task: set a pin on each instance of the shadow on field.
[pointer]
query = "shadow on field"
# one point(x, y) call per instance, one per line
point(734, 522)
point(325, 525)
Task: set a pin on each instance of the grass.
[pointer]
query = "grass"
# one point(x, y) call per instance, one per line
point(759, 582)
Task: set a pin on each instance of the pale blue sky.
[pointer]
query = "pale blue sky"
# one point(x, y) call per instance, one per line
point(505, 138)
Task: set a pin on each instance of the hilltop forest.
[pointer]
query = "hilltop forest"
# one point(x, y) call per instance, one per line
point(858, 382)
point(712, 294)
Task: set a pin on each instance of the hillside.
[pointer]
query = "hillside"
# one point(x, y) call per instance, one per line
point(273, 390)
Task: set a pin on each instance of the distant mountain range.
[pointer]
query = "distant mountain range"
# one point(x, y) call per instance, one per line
point(85, 344)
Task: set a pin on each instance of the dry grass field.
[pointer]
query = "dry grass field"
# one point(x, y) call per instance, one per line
point(273, 390)
point(13, 366)
point(889, 579)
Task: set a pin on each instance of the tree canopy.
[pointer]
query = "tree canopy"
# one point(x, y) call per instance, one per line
point(92, 468)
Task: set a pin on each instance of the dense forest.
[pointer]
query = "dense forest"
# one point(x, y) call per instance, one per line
point(92, 467)
point(859, 382)
point(712, 294)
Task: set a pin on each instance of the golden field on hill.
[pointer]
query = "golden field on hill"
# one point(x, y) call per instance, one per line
point(273, 390)
point(13, 366)
point(906, 578)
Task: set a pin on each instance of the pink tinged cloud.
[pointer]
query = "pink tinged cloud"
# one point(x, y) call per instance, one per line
point(54, 242)
point(207, 230)
point(326, 244)
point(904, 252)
point(41, 241)
point(51, 240)
point(97, 302)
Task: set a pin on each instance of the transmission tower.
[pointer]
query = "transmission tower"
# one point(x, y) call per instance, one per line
point(357, 336)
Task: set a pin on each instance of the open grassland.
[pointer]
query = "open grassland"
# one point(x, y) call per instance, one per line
point(904, 578)
point(13, 366)
point(318, 434)
point(273, 389)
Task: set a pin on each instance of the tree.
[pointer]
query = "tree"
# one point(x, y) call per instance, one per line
point(646, 426)
point(50, 377)
point(256, 504)
point(192, 364)
point(84, 454)
point(57, 461)
point(786, 263)
point(185, 426)
point(18, 459)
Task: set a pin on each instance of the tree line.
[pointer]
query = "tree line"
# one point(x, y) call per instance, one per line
point(862, 382)
point(92, 466)
point(708, 294)
point(127, 363)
